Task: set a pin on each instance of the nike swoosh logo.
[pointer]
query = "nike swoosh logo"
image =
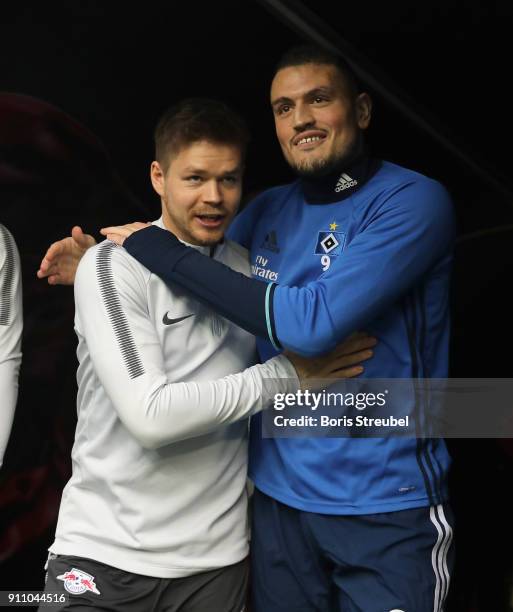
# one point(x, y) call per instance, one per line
point(167, 321)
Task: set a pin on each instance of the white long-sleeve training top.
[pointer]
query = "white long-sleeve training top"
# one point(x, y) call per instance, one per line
point(11, 327)
point(159, 461)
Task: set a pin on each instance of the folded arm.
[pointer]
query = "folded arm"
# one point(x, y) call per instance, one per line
point(405, 237)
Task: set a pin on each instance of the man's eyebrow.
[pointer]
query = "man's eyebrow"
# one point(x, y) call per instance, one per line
point(320, 90)
point(194, 170)
point(282, 100)
point(326, 90)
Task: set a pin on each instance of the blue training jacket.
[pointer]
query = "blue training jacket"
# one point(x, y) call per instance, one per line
point(377, 258)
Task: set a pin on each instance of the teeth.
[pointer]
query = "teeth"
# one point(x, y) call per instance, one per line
point(310, 139)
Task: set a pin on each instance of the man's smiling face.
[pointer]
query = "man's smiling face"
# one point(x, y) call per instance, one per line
point(200, 191)
point(318, 117)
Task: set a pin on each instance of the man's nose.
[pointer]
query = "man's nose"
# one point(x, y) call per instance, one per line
point(303, 117)
point(212, 192)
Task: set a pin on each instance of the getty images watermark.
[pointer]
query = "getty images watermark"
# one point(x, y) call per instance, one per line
point(330, 399)
point(421, 408)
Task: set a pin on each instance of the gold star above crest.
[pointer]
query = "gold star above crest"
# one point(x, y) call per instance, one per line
point(333, 226)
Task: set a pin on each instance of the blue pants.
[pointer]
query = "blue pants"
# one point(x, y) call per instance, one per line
point(388, 562)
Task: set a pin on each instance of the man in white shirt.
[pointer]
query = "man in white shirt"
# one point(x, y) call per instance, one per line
point(11, 326)
point(154, 515)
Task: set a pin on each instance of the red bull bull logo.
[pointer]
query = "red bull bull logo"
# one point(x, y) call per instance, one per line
point(76, 582)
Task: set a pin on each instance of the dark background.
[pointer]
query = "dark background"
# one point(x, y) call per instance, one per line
point(114, 68)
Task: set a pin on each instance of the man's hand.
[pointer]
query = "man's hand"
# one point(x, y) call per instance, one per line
point(61, 260)
point(342, 362)
point(119, 233)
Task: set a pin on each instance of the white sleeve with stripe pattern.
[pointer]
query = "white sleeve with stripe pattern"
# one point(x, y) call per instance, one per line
point(11, 326)
point(113, 316)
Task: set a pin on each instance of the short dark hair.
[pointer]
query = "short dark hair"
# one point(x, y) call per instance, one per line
point(313, 54)
point(196, 119)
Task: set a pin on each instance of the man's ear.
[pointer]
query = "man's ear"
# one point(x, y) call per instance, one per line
point(363, 110)
point(157, 176)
